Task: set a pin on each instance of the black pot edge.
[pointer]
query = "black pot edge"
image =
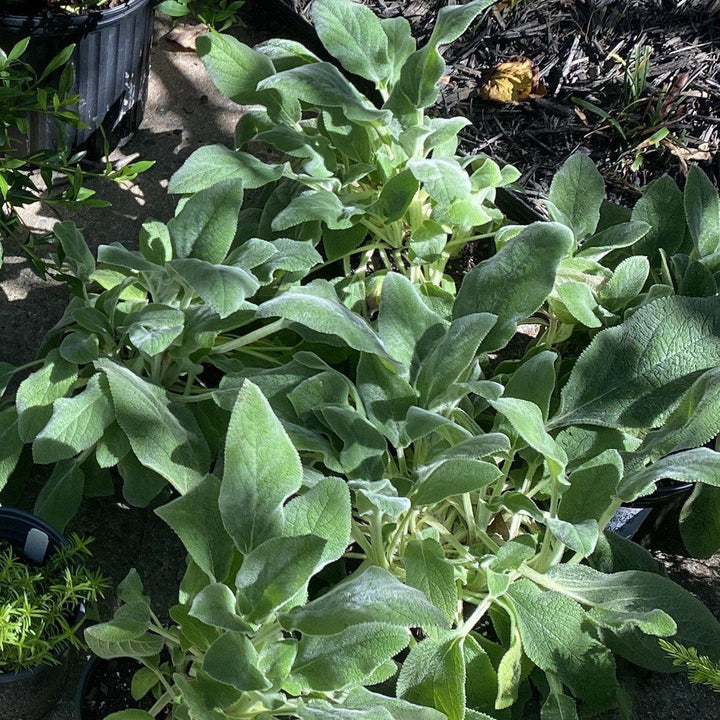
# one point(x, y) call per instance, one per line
point(59, 539)
point(88, 670)
point(71, 22)
point(662, 495)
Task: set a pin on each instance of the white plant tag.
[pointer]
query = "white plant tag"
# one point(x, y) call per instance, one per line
point(36, 545)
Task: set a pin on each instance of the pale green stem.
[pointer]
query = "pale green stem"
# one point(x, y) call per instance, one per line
point(250, 338)
point(477, 615)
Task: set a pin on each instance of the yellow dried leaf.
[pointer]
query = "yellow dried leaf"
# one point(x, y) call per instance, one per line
point(514, 81)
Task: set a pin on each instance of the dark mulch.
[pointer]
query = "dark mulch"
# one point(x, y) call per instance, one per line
point(108, 690)
point(590, 50)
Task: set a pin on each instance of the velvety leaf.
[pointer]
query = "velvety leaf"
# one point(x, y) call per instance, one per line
point(155, 327)
point(700, 522)
point(333, 662)
point(698, 465)
point(454, 476)
point(315, 205)
point(481, 684)
point(324, 511)
point(126, 635)
point(164, 438)
point(362, 699)
point(37, 393)
point(443, 179)
point(397, 194)
point(11, 444)
point(76, 250)
point(527, 420)
point(112, 446)
point(232, 659)
point(401, 44)
point(323, 85)
point(285, 54)
point(317, 306)
point(478, 446)
point(634, 374)
point(592, 489)
point(421, 71)
point(235, 68)
point(534, 381)
point(195, 518)
point(580, 302)
point(381, 495)
point(385, 395)
point(702, 210)
point(261, 470)
point(559, 707)
point(433, 675)
point(215, 605)
point(212, 164)
point(626, 283)
point(515, 281)
point(223, 287)
point(154, 242)
point(205, 227)
point(646, 599)
point(554, 636)
point(427, 569)
point(452, 356)
point(61, 494)
point(373, 596)
point(321, 710)
point(618, 236)
point(509, 673)
point(274, 572)
point(353, 34)
point(578, 190)
point(140, 484)
point(407, 326)
point(580, 537)
point(661, 207)
point(79, 348)
point(362, 445)
point(276, 660)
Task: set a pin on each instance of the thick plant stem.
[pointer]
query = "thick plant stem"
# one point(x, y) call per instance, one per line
point(250, 338)
point(477, 615)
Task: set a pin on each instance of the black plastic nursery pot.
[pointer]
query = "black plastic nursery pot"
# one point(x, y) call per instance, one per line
point(111, 64)
point(30, 694)
point(105, 688)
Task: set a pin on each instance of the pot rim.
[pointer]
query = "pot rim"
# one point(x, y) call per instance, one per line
point(59, 539)
point(88, 670)
point(68, 23)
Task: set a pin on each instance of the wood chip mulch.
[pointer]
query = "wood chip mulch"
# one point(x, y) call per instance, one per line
point(634, 66)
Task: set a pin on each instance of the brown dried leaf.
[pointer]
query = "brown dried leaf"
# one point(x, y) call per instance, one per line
point(685, 155)
point(514, 81)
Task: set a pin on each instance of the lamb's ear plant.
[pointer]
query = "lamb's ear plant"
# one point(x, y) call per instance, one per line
point(248, 638)
point(492, 494)
point(39, 606)
point(623, 258)
point(373, 178)
point(131, 352)
point(216, 14)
